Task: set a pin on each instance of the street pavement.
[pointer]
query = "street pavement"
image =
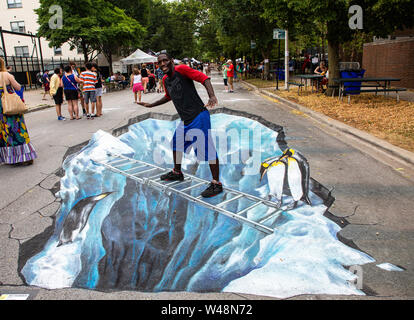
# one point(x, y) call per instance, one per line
point(373, 188)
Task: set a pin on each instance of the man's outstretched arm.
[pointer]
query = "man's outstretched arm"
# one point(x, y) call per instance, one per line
point(163, 100)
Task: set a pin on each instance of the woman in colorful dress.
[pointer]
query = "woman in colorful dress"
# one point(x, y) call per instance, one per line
point(15, 145)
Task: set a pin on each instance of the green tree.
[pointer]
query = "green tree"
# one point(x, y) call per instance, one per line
point(208, 46)
point(96, 26)
point(182, 28)
point(239, 22)
point(143, 12)
point(140, 10)
point(116, 31)
point(77, 24)
point(173, 27)
point(380, 17)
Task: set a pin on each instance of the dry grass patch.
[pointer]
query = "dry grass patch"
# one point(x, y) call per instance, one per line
point(381, 116)
point(265, 83)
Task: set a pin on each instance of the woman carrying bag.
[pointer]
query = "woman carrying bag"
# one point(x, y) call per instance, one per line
point(15, 145)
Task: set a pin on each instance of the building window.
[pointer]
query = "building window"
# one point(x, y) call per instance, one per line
point(22, 51)
point(18, 26)
point(57, 51)
point(80, 50)
point(14, 4)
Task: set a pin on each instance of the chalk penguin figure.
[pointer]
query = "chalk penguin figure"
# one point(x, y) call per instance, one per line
point(78, 217)
point(293, 165)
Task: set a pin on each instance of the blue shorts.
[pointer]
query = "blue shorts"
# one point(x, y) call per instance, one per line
point(89, 95)
point(196, 135)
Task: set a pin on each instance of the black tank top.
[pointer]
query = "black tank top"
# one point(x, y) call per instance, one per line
point(144, 73)
point(184, 95)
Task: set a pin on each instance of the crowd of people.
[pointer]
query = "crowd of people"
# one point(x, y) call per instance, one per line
point(88, 86)
point(144, 80)
point(148, 78)
point(82, 89)
point(85, 85)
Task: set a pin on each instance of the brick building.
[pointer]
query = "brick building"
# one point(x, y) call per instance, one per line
point(392, 57)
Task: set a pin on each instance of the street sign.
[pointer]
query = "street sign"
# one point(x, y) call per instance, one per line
point(278, 34)
point(253, 44)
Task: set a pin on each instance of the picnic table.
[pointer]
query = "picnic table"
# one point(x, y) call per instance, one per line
point(114, 86)
point(380, 85)
point(313, 78)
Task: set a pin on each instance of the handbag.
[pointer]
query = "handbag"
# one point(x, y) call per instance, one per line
point(12, 104)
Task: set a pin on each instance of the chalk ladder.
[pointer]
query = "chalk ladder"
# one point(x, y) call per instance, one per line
point(149, 174)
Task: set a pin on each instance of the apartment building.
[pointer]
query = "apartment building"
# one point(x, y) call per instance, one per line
point(19, 16)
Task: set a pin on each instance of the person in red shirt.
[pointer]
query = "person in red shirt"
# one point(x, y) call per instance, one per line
point(230, 74)
point(178, 82)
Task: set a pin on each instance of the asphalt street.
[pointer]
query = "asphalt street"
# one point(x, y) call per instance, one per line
point(373, 192)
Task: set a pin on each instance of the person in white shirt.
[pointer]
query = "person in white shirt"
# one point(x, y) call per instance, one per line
point(136, 84)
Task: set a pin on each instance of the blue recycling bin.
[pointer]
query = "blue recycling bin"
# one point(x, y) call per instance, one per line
point(356, 86)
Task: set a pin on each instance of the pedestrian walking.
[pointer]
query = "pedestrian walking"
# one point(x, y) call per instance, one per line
point(89, 79)
point(99, 90)
point(239, 70)
point(208, 69)
point(160, 75)
point(225, 79)
point(70, 88)
point(56, 91)
point(230, 74)
point(15, 145)
point(136, 84)
point(179, 87)
point(46, 84)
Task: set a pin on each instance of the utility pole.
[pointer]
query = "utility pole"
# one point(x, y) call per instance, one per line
point(3, 45)
point(278, 68)
point(41, 54)
point(278, 34)
point(286, 60)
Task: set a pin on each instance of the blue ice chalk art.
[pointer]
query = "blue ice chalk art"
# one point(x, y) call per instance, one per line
point(138, 238)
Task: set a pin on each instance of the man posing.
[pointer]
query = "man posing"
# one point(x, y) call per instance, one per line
point(179, 87)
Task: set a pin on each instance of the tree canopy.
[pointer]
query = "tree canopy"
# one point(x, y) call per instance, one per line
point(209, 29)
point(95, 26)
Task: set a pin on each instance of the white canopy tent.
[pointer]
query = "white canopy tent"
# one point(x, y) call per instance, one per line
point(139, 56)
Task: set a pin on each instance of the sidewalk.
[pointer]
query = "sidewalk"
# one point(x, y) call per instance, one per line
point(34, 100)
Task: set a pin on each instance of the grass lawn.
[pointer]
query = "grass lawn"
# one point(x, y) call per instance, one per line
point(381, 116)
